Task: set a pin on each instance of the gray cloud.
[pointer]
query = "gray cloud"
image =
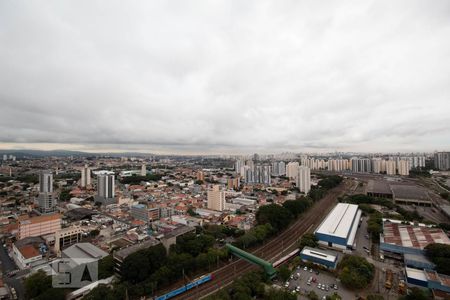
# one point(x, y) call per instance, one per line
point(228, 75)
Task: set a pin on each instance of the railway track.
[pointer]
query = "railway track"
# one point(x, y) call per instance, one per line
point(274, 248)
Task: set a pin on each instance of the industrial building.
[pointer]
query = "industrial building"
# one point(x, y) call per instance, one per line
point(410, 194)
point(319, 257)
point(405, 238)
point(338, 230)
point(428, 279)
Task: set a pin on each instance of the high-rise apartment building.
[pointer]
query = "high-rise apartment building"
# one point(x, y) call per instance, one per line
point(292, 170)
point(403, 167)
point(303, 180)
point(46, 198)
point(442, 161)
point(105, 189)
point(216, 198)
point(85, 177)
point(143, 170)
point(361, 165)
point(391, 167)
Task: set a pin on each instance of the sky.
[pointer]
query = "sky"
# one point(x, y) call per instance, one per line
point(225, 76)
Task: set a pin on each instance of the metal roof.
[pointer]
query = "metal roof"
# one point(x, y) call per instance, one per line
point(320, 254)
point(339, 221)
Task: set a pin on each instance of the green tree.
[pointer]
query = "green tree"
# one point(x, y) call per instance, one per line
point(415, 294)
point(439, 254)
point(106, 267)
point(312, 295)
point(36, 284)
point(309, 240)
point(284, 273)
point(355, 272)
point(277, 216)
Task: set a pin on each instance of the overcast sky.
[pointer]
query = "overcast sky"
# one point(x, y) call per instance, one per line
point(225, 76)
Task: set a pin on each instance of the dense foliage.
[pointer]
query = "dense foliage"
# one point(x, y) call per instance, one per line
point(139, 179)
point(39, 286)
point(255, 236)
point(308, 239)
point(416, 294)
point(355, 272)
point(251, 286)
point(297, 207)
point(375, 225)
point(276, 215)
point(439, 254)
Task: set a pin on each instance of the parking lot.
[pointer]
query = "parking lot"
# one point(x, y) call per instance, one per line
point(300, 280)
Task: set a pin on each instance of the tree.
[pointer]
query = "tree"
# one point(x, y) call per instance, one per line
point(284, 273)
point(277, 216)
point(375, 297)
point(106, 267)
point(355, 272)
point(334, 296)
point(140, 265)
point(415, 294)
point(36, 284)
point(309, 240)
point(439, 254)
point(312, 295)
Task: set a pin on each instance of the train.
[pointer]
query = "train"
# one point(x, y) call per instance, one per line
point(194, 283)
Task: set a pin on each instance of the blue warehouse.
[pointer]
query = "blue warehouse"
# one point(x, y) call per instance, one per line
point(320, 257)
point(338, 230)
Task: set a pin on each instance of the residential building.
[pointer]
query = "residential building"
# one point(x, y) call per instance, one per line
point(46, 198)
point(143, 170)
point(403, 167)
point(390, 167)
point(303, 180)
point(216, 198)
point(85, 177)
point(292, 170)
point(105, 189)
point(442, 161)
point(38, 226)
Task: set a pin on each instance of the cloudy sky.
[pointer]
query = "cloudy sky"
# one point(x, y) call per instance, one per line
point(225, 76)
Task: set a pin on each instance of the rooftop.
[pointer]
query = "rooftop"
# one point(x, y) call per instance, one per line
point(339, 221)
point(29, 251)
point(409, 192)
point(378, 187)
point(406, 235)
point(84, 251)
point(123, 253)
point(25, 219)
point(318, 253)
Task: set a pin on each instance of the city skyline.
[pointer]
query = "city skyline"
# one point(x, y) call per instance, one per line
point(226, 77)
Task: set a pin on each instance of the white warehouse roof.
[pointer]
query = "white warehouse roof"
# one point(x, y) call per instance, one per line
point(320, 254)
point(339, 221)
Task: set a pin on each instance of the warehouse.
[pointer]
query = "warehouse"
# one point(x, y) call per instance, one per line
point(406, 238)
point(338, 230)
point(319, 257)
point(410, 194)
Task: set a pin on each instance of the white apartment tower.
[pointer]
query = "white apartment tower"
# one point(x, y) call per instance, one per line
point(216, 198)
point(303, 180)
point(292, 170)
point(144, 170)
point(403, 167)
point(85, 177)
point(46, 199)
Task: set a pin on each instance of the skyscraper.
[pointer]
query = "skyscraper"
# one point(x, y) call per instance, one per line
point(105, 189)
point(216, 198)
point(85, 177)
point(403, 167)
point(46, 199)
point(303, 180)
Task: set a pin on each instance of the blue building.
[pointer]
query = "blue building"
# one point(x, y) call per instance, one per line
point(320, 257)
point(338, 230)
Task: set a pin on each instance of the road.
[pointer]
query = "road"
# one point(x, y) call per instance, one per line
point(277, 247)
point(7, 266)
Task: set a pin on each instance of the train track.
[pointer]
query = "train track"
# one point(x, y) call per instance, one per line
point(274, 248)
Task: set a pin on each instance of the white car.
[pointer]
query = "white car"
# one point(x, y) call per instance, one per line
point(305, 268)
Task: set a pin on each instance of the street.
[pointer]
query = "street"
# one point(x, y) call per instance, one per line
point(7, 266)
